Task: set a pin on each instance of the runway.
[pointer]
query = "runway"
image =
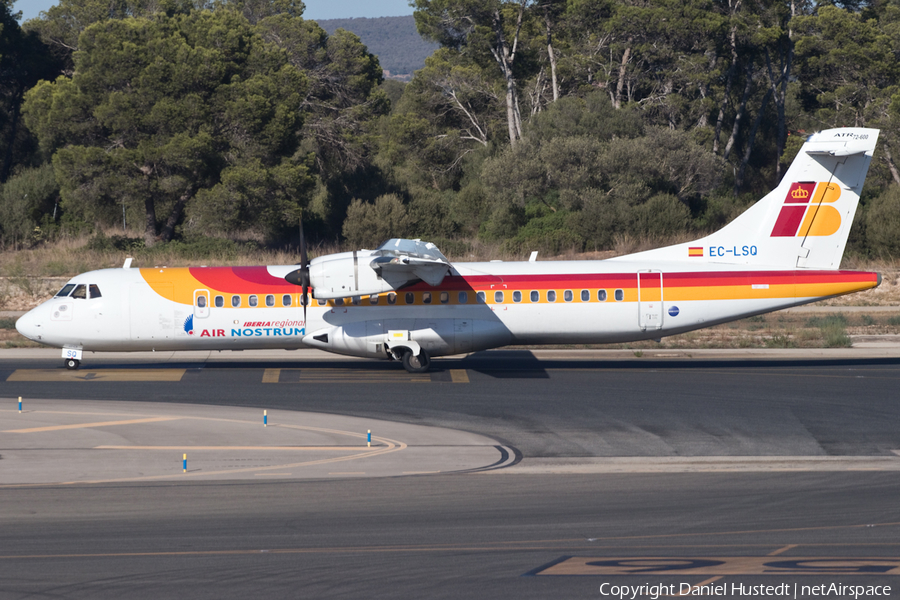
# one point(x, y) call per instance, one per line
point(738, 472)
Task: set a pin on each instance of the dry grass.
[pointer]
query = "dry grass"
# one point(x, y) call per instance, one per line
point(72, 256)
point(780, 330)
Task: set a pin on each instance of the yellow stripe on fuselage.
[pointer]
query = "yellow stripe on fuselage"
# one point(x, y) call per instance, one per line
point(179, 285)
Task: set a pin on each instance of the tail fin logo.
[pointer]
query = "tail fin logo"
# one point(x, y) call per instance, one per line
point(799, 194)
point(805, 212)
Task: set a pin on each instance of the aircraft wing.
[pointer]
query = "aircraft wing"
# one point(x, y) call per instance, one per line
point(403, 270)
point(395, 264)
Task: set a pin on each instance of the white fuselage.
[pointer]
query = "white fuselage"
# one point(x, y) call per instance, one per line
point(478, 306)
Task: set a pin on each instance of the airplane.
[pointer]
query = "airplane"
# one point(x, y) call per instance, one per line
point(405, 301)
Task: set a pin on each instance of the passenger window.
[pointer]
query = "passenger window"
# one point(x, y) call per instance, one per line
point(235, 301)
point(551, 295)
point(373, 299)
point(220, 301)
point(620, 295)
point(498, 297)
point(445, 297)
point(95, 291)
point(355, 300)
point(568, 296)
point(338, 301)
point(253, 300)
point(201, 301)
point(585, 296)
point(286, 300)
point(426, 297)
point(80, 292)
point(321, 302)
point(480, 297)
point(270, 300)
point(463, 297)
point(535, 296)
point(601, 295)
point(410, 298)
point(67, 289)
point(517, 296)
point(392, 298)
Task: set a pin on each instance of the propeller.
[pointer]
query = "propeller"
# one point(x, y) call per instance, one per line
point(301, 276)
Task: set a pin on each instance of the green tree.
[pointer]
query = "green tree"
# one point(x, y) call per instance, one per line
point(883, 224)
point(367, 225)
point(341, 106)
point(23, 61)
point(603, 175)
point(485, 29)
point(27, 202)
point(62, 24)
point(191, 114)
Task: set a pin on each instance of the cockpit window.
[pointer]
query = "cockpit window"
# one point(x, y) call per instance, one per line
point(67, 289)
point(80, 292)
point(95, 291)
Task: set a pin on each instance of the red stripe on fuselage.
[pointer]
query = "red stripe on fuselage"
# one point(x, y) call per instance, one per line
point(242, 280)
point(626, 280)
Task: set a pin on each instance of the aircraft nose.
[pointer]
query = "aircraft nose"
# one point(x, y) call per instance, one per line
point(29, 326)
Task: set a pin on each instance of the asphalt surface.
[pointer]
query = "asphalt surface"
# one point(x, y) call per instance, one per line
point(625, 471)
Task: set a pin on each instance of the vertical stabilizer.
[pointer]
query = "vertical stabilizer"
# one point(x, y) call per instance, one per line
point(804, 222)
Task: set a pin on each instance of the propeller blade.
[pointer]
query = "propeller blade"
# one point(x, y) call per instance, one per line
point(304, 270)
point(301, 276)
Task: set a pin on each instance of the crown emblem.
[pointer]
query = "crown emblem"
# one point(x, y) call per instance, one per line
point(799, 193)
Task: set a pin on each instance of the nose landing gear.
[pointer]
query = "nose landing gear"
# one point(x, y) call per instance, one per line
point(72, 364)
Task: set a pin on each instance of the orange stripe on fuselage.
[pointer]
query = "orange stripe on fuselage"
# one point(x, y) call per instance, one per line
point(720, 285)
point(218, 280)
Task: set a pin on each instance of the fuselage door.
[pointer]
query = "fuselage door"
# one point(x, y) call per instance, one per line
point(201, 304)
point(650, 300)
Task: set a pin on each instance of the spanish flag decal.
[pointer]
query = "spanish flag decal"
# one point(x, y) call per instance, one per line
point(695, 251)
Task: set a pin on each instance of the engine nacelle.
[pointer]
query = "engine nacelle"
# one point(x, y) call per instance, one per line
point(346, 274)
point(391, 266)
point(438, 337)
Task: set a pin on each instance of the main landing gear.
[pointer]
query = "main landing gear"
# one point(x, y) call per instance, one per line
point(72, 363)
point(415, 363)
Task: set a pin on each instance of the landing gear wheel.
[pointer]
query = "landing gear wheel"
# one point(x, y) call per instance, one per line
point(416, 364)
point(72, 364)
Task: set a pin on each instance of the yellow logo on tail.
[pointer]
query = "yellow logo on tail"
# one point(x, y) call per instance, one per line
point(801, 217)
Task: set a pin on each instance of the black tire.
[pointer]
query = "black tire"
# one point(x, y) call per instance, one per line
point(72, 364)
point(416, 364)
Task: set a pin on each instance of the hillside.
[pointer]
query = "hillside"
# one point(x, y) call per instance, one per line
point(394, 40)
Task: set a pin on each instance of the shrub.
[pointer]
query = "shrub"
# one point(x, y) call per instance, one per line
point(368, 225)
point(883, 223)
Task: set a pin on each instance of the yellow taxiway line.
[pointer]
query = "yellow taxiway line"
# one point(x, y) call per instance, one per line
point(97, 375)
point(90, 425)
